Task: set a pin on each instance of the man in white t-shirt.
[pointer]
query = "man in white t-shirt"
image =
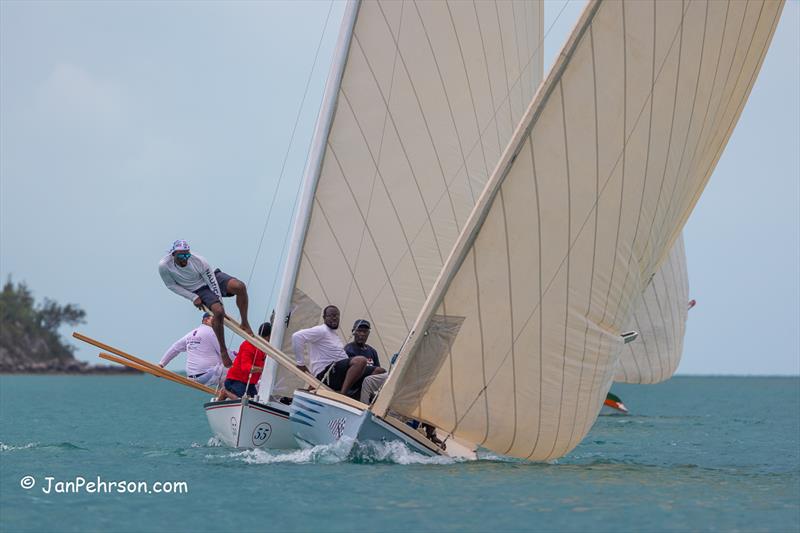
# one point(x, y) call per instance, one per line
point(189, 275)
point(329, 362)
point(204, 363)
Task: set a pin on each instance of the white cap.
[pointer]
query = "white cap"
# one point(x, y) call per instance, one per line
point(179, 246)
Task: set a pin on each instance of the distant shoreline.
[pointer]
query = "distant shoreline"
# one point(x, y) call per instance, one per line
point(100, 373)
point(71, 367)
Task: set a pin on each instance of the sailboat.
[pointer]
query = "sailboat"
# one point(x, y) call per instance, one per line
point(420, 101)
point(506, 291)
point(421, 62)
point(660, 321)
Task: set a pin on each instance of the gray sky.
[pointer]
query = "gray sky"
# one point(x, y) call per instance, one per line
point(125, 125)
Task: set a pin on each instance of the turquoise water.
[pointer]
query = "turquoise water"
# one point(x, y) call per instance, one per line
point(709, 454)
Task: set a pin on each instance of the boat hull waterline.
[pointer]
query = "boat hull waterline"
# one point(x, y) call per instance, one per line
point(252, 425)
point(317, 420)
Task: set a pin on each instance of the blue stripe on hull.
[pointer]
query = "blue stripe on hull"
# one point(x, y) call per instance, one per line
point(293, 419)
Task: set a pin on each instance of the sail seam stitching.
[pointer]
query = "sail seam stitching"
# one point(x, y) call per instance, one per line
point(377, 165)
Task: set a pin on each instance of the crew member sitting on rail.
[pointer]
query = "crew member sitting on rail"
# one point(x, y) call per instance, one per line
point(329, 362)
point(203, 362)
point(371, 384)
point(247, 368)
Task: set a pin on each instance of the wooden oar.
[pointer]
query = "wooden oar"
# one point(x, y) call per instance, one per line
point(282, 359)
point(156, 370)
point(134, 366)
point(165, 375)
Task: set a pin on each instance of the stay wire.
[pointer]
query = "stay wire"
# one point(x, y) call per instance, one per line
point(289, 146)
point(283, 168)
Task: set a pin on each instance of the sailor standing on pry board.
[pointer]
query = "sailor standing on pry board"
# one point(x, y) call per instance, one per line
point(190, 276)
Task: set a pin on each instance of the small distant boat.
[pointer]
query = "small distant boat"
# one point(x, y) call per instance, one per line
point(613, 406)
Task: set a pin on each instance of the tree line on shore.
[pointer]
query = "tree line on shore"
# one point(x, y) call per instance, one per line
point(29, 334)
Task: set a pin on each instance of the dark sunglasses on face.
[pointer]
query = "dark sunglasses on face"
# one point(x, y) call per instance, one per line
point(183, 256)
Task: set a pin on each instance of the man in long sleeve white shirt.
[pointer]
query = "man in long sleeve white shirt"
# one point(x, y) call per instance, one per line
point(328, 360)
point(204, 362)
point(189, 275)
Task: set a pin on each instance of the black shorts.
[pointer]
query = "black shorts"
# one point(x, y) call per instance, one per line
point(338, 373)
point(205, 293)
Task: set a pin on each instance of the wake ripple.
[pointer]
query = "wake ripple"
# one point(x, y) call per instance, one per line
point(10, 448)
point(60, 445)
point(344, 451)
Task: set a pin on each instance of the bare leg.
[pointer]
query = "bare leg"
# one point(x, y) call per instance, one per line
point(225, 394)
point(239, 289)
point(354, 371)
point(219, 330)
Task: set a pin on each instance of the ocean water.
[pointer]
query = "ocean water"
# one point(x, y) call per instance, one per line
point(703, 454)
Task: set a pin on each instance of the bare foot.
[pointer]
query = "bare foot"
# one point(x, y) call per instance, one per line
point(246, 327)
point(226, 359)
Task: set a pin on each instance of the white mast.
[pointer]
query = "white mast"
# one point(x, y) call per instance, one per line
point(309, 184)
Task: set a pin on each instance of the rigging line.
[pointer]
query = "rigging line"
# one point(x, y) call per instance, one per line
point(289, 146)
point(283, 168)
point(475, 145)
point(583, 225)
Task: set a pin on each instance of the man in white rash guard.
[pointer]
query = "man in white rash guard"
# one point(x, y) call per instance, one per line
point(203, 360)
point(329, 362)
point(190, 276)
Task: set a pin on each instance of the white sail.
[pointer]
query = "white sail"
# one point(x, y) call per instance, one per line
point(660, 319)
point(429, 98)
point(517, 344)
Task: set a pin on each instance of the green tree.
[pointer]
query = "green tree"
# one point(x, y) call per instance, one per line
point(20, 315)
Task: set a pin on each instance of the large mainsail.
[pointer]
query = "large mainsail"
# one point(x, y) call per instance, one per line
point(660, 319)
point(518, 341)
point(429, 97)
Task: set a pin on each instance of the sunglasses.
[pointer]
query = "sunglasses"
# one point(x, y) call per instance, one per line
point(183, 256)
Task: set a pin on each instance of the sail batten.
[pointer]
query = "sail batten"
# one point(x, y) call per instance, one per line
point(602, 179)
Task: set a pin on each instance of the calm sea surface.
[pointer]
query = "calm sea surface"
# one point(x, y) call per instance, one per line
point(709, 454)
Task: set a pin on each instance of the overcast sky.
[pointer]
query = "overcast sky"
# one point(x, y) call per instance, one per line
point(125, 125)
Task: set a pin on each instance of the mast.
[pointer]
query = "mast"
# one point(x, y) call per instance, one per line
point(309, 183)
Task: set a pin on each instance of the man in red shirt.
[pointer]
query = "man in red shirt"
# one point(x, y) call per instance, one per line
point(246, 369)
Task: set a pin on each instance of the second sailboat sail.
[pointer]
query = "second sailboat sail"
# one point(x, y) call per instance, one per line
point(519, 340)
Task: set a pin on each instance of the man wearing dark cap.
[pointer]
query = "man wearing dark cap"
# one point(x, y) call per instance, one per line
point(328, 360)
point(371, 384)
point(359, 346)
